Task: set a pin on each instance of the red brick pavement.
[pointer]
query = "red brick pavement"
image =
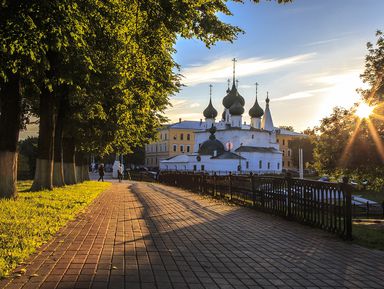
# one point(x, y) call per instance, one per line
point(140, 235)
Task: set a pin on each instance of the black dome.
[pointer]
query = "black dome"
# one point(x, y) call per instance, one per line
point(210, 146)
point(210, 111)
point(236, 108)
point(256, 110)
point(232, 96)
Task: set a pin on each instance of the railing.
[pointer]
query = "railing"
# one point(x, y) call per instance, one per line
point(324, 205)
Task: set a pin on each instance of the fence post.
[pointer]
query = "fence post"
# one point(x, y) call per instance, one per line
point(348, 207)
point(214, 185)
point(288, 179)
point(253, 189)
point(367, 209)
point(230, 184)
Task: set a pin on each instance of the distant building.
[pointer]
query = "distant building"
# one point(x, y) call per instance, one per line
point(283, 136)
point(172, 139)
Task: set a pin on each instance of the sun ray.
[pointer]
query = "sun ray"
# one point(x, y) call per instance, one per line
point(377, 139)
point(347, 148)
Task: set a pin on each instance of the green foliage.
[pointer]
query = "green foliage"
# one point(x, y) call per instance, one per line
point(33, 218)
point(305, 143)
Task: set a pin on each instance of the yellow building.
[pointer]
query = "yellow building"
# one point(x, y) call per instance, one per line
point(283, 137)
point(173, 139)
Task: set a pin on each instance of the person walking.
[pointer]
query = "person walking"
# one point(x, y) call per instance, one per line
point(101, 173)
point(120, 173)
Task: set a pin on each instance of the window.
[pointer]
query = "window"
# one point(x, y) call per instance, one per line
point(174, 147)
point(253, 136)
point(269, 166)
point(247, 165)
point(277, 140)
point(188, 148)
point(165, 136)
point(202, 167)
point(175, 137)
point(289, 153)
point(282, 164)
point(182, 148)
point(188, 136)
point(283, 152)
point(283, 142)
point(194, 167)
point(260, 164)
point(161, 136)
point(181, 136)
point(278, 166)
point(289, 163)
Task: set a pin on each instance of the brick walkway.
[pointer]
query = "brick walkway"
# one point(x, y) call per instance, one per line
point(139, 235)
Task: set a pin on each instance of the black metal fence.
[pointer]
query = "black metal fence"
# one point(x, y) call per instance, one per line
point(324, 205)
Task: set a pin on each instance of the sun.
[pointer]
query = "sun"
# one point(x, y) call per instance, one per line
point(364, 110)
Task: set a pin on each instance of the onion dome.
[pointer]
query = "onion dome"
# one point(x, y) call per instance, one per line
point(256, 110)
point(210, 146)
point(232, 96)
point(210, 111)
point(236, 108)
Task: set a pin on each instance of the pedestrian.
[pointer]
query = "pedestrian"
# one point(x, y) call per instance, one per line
point(101, 173)
point(120, 172)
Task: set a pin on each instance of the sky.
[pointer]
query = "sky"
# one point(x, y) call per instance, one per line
point(307, 54)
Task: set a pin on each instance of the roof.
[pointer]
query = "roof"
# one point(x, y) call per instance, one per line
point(251, 149)
point(187, 124)
point(228, 156)
point(232, 96)
point(210, 111)
point(288, 132)
point(256, 110)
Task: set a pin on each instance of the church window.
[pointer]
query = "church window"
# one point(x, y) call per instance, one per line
point(269, 166)
point(188, 148)
point(260, 164)
point(253, 136)
point(278, 166)
point(202, 167)
point(181, 136)
point(283, 142)
point(174, 147)
point(188, 136)
point(194, 167)
point(182, 148)
point(247, 165)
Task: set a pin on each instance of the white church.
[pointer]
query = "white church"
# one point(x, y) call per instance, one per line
point(230, 144)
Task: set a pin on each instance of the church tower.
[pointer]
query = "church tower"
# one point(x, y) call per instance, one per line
point(267, 123)
point(256, 112)
point(210, 112)
point(234, 104)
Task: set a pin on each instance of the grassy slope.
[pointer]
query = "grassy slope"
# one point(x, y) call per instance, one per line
point(370, 236)
point(30, 220)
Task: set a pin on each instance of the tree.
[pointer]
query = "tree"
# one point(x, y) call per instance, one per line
point(117, 88)
point(307, 144)
point(287, 127)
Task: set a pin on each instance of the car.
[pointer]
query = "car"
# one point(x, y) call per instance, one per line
point(324, 179)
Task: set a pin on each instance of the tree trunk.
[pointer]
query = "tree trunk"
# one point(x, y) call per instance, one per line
point(85, 169)
point(79, 164)
point(69, 166)
point(58, 167)
point(44, 161)
point(10, 117)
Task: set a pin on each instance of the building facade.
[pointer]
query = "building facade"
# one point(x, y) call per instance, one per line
point(171, 140)
point(283, 137)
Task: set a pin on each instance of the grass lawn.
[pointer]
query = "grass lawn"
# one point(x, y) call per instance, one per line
point(34, 217)
point(371, 195)
point(369, 235)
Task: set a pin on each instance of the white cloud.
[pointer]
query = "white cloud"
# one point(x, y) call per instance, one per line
point(220, 69)
point(195, 104)
point(300, 94)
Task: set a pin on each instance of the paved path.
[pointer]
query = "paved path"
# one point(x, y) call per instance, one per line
point(140, 235)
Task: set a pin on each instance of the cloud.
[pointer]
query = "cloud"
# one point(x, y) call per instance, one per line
point(220, 69)
point(195, 104)
point(321, 42)
point(300, 94)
